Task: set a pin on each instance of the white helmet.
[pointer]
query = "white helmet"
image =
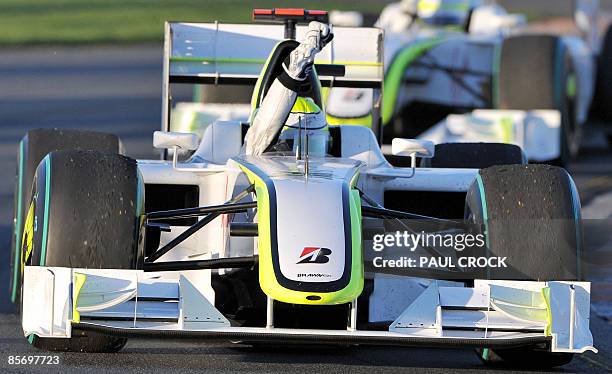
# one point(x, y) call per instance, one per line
point(307, 119)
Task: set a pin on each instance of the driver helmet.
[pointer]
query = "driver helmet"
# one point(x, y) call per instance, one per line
point(444, 12)
point(307, 115)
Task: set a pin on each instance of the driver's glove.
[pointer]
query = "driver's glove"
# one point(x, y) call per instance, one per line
point(300, 61)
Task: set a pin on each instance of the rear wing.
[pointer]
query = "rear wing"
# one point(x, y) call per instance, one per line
point(218, 53)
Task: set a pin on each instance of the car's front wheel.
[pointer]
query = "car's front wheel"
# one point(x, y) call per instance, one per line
point(529, 214)
point(85, 212)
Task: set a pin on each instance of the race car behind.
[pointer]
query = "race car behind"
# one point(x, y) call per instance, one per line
point(467, 71)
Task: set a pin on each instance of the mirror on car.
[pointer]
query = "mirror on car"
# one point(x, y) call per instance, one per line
point(165, 140)
point(412, 148)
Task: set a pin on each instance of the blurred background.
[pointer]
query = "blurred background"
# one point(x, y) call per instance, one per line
point(30, 22)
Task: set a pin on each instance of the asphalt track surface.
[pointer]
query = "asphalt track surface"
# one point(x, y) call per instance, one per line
point(119, 90)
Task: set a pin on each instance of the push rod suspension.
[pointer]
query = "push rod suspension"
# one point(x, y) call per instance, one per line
point(200, 211)
point(214, 263)
point(203, 222)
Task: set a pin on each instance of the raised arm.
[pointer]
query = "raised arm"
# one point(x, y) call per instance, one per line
point(281, 96)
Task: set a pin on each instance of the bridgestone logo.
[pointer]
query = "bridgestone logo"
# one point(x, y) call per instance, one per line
point(314, 255)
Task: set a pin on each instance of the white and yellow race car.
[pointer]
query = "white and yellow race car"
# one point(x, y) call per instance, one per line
point(469, 71)
point(301, 245)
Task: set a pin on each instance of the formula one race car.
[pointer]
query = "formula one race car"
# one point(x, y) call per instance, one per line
point(464, 71)
point(295, 245)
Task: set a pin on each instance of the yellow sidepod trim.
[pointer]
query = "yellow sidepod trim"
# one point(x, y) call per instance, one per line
point(546, 295)
point(267, 278)
point(357, 121)
point(77, 284)
point(357, 257)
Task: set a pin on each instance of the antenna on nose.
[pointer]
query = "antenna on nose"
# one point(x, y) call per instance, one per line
point(306, 159)
point(298, 149)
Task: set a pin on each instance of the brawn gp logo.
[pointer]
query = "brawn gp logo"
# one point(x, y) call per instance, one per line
point(314, 255)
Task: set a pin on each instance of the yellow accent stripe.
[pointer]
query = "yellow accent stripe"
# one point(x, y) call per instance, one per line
point(305, 105)
point(358, 121)
point(507, 127)
point(430, 6)
point(546, 295)
point(77, 283)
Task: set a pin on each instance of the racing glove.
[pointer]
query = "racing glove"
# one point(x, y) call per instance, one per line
point(299, 63)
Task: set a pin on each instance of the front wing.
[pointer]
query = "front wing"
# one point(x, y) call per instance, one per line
point(134, 303)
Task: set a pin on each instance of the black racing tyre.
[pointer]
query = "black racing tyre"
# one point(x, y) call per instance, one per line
point(474, 155)
point(34, 146)
point(87, 207)
point(536, 72)
point(603, 86)
point(531, 215)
